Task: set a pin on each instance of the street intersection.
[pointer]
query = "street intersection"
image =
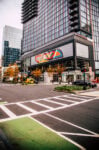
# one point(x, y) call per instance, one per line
point(73, 117)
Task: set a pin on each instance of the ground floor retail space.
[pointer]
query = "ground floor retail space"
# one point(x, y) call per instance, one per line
point(66, 77)
point(63, 70)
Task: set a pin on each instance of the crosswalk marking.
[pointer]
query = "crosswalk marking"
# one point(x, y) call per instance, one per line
point(7, 111)
point(42, 105)
point(26, 107)
point(53, 101)
point(66, 100)
point(81, 99)
point(82, 96)
point(48, 108)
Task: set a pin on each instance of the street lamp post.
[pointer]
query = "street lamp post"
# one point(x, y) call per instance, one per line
point(84, 88)
point(84, 75)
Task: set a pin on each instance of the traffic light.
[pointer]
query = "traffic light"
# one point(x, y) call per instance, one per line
point(84, 69)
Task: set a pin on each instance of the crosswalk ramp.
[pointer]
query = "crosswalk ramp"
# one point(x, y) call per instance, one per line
point(35, 107)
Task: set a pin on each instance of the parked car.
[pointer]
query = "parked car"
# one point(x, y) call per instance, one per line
point(93, 84)
point(35, 81)
point(86, 83)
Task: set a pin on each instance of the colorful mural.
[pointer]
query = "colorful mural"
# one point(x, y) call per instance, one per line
point(47, 56)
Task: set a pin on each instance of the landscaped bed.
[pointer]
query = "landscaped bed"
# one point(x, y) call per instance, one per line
point(27, 134)
point(70, 89)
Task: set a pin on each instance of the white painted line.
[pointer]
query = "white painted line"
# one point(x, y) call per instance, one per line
point(42, 105)
point(3, 103)
point(42, 124)
point(30, 100)
point(7, 111)
point(36, 100)
point(26, 107)
point(21, 102)
point(36, 113)
point(16, 117)
point(81, 99)
point(44, 111)
point(62, 107)
point(73, 142)
point(54, 109)
point(83, 96)
point(67, 122)
point(7, 119)
point(59, 108)
point(65, 99)
point(71, 105)
point(79, 134)
point(54, 102)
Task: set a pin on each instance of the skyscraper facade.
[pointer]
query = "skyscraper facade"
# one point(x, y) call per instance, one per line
point(95, 32)
point(64, 32)
point(11, 45)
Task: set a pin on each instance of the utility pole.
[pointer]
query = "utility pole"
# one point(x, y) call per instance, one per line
point(84, 88)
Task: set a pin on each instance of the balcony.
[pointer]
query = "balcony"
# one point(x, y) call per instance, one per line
point(74, 23)
point(72, 1)
point(29, 10)
point(73, 18)
point(74, 29)
point(72, 6)
point(74, 12)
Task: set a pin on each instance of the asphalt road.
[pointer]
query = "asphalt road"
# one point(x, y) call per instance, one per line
point(79, 123)
point(72, 116)
point(14, 93)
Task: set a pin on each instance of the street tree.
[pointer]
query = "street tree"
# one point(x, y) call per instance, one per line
point(16, 72)
point(50, 70)
point(59, 69)
point(36, 73)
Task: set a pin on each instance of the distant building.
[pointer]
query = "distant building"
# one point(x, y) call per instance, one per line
point(0, 62)
point(11, 45)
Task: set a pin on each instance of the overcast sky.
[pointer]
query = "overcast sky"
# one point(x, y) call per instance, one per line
point(10, 14)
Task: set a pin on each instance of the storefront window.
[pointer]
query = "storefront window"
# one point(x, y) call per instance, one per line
point(70, 78)
point(78, 77)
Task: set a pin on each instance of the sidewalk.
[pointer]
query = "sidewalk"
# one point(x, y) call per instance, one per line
point(54, 83)
point(91, 93)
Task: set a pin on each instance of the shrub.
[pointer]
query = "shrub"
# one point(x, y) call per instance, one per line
point(29, 81)
point(69, 88)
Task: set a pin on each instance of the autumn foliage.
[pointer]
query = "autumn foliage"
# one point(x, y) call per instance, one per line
point(59, 69)
point(16, 70)
point(36, 73)
point(50, 70)
point(11, 71)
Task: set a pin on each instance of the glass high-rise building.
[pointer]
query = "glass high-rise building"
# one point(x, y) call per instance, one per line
point(95, 32)
point(11, 45)
point(61, 32)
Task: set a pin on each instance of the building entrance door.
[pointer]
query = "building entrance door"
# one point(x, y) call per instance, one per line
point(70, 78)
point(55, 77)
